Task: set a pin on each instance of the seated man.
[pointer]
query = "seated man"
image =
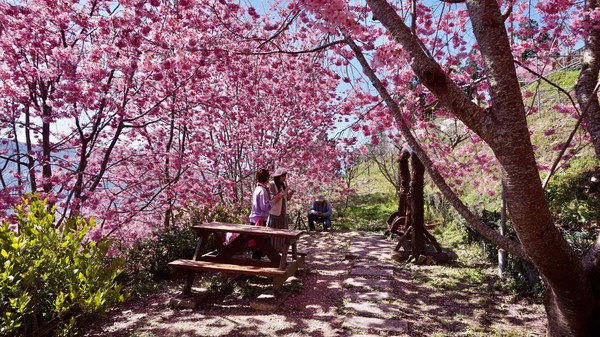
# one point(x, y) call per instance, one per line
point(321, 212)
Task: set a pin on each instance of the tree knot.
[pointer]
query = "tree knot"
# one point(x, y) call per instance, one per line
point(433, 77)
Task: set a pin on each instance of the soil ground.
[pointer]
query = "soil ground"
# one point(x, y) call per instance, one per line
point(350, 287)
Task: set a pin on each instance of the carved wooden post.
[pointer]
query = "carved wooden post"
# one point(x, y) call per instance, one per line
point(403, 204)
point(411, 212)
point(417, 207)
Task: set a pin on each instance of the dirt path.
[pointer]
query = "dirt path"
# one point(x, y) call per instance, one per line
point(350, 287)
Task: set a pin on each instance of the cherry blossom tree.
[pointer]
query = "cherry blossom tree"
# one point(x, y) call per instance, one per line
point(130, 111)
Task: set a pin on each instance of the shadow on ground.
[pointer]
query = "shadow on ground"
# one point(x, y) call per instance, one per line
point(432, 300)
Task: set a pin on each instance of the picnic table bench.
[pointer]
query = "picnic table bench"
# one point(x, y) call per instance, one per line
point(233, 258)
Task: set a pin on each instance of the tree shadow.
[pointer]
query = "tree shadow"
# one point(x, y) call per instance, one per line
point(449, 300)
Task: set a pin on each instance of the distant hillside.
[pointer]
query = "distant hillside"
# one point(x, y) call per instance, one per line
point(8, 152)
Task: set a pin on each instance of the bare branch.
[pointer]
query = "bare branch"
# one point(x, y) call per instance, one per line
point(284, 27)
point(294, 52)
point(549, 82)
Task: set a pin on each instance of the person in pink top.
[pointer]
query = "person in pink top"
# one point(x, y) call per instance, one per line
point(262, 203)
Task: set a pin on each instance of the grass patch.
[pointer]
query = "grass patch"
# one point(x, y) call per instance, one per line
point(564, 79)
point(373, 203)
point(451, 235)
point(456, 279)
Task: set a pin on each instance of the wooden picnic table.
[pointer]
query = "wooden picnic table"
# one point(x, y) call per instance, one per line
point(233, 258)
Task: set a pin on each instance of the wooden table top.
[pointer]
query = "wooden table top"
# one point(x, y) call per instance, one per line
point(247, 229)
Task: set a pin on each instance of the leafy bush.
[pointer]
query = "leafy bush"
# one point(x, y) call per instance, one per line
point(452, 234)
point(154, 254)
point(52, 278)
point(574, 199)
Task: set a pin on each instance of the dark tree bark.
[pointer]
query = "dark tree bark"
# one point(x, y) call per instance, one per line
point(46, 145)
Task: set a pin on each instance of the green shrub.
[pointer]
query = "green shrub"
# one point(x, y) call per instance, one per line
point(574, 200)
point(154, 254)
point(452, 234)
point(52, 278)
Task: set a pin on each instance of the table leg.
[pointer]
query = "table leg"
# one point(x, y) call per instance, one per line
point(187, 289)
point(201, 242)
point(264, 245)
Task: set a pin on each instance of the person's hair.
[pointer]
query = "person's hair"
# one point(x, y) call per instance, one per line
point(262, 175)
point(279, 183)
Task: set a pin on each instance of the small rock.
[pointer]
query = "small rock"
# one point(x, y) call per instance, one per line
point(268, 301)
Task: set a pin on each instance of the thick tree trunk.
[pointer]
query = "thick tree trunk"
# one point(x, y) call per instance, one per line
point(591, 264)
point(571, 296)
point(586, 83)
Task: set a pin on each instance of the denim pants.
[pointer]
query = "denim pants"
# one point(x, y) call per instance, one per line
point(324, 219)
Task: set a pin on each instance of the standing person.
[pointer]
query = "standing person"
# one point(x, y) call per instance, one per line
point(261, 203)
point(321, 212)
point(278, 215)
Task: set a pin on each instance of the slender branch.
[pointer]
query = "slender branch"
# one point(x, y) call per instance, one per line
point(507, 12)
point(149, 202)
point(349, 126)
point(549, 82)
point(413, 13)
point(286, 25)
point(294, 52)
